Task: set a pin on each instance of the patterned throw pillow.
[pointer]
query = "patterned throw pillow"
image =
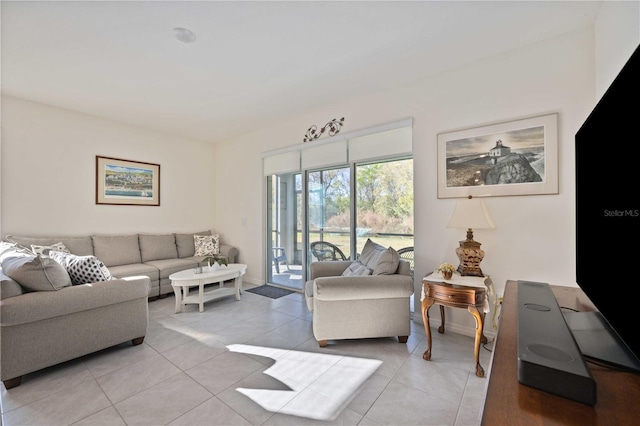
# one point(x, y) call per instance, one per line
point(206, 245)
point(82, 269)
point(356, 269)
point(44, 250)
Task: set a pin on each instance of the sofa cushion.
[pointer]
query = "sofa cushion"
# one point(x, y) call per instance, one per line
point(77, 245)
point(154, 247)
point(9, 287)
point(169, 266)
point(381, 260)
point(117, 250)
point(44, 250)
point(135, 269)
point(82, 269)
point(36, 273)
point(356, 269)
point(207, 245)
point(185, 243)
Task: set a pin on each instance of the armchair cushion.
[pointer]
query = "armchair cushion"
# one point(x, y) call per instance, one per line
point(381, 260)
point(356, 269)
point(362, 288)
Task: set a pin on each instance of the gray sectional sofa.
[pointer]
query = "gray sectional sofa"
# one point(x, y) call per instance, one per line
point(48, 316)
point(153, 255)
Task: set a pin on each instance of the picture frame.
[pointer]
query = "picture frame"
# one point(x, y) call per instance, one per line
point(127, 182)
point(518, 157)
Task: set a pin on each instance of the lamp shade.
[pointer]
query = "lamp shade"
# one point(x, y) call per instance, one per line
point(471, 213)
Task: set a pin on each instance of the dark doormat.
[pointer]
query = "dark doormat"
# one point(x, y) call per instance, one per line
point(269, 291)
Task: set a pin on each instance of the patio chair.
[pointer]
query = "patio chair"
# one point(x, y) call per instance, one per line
point(406, 253)
point(323, 251)
point(279, 255)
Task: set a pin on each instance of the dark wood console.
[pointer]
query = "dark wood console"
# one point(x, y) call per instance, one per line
point(508, 402)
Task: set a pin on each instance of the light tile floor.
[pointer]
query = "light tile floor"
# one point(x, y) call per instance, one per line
point(254, 362)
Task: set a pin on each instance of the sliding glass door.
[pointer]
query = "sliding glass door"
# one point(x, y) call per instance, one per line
point(284, 224)
point(329, 214)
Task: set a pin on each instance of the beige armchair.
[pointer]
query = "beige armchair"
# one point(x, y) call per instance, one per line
point(366, 306)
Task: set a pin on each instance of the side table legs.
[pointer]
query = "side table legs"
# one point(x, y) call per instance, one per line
point(426, 304)
point(479, 337)
point(479, 328)
point(441, 328)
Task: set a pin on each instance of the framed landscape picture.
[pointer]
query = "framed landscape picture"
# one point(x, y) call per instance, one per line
point(127, 182)
point(518, 157)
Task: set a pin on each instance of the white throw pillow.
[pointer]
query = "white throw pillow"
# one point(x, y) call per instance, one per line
point(44, 250)
point(206, 245)
point(82, 269)
point(356, 269)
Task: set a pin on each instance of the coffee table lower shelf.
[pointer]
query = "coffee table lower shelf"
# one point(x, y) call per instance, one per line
point(208, 296)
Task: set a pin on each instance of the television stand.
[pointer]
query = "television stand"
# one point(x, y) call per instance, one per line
point(508, 402)
point(599, 342)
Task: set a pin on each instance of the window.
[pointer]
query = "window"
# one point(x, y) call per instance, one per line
point(325, 198)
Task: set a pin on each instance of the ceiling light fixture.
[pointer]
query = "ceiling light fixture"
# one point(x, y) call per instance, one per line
point(184, 35)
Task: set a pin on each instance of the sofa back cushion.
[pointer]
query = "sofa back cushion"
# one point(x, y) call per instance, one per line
point(81, 246)
point(381, 260)
point(186, 245)
point(36, 273)
point(157, 247)
point(117, 250)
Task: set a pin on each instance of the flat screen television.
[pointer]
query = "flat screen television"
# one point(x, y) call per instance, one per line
point(607, 179)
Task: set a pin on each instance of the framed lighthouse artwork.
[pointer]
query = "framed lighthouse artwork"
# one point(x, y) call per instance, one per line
point(518, 157)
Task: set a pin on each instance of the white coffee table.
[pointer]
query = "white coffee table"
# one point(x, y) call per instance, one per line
point(183, 280)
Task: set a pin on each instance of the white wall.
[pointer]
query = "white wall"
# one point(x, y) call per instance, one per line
point(48, 175)
point(617, 34)
point(534, 238)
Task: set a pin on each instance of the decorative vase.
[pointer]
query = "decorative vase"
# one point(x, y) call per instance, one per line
point(447, 274)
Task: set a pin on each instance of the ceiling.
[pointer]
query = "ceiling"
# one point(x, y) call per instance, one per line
point(253, 63)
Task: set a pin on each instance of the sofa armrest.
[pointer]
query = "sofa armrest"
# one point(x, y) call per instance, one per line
point(42, 305)
point(362, 287)
point(230, 252)
point(331, 268)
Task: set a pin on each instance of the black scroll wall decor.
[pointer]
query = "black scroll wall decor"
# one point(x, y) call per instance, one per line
point(332, 128)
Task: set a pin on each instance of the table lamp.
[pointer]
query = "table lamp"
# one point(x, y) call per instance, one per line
point(470, 213)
